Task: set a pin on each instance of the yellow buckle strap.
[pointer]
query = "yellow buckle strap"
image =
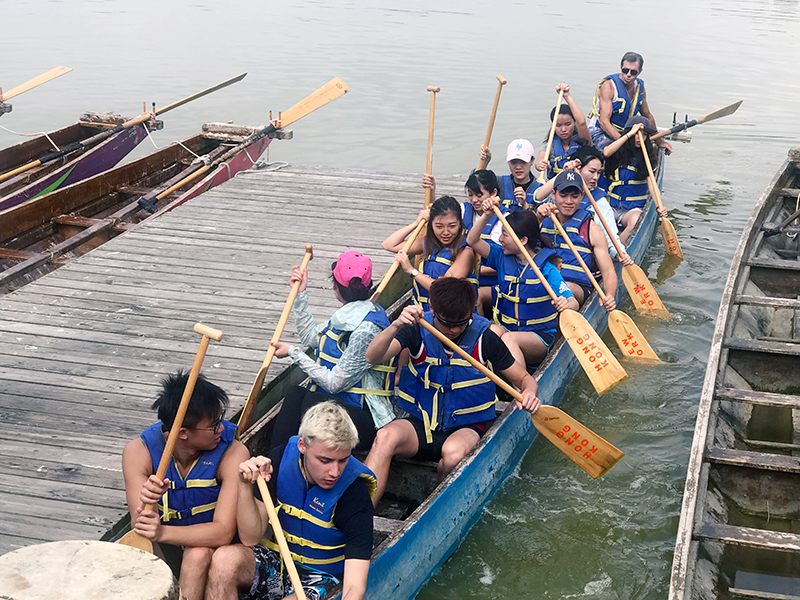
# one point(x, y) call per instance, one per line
point(301, 514)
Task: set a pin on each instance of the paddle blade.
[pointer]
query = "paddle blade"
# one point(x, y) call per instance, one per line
point(603, 370)
point(205, 92)
point(642, 292)
point(327, 93)
point(588, 450)
point(252, 398)
point(134, 540)
point(628, 337)
point(722, 112)
point(670, 239)
point(35, 82)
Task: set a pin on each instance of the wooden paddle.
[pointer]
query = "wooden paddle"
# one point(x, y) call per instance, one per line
point(624, 331)
point(35, 82)
point(391, 271)
point(335, 88)
point(603, 370)
point(500, 83)
point(429, 163)
point(132, 538)
point(667, 230)
point(280, 538)
point(543, 175)
point(116, 129)
point(568, 434)
point(249, 406)
point(641, 291)
point(717, 114)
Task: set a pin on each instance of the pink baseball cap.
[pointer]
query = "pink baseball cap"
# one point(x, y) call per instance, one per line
point(352, 264)
point(521, 149)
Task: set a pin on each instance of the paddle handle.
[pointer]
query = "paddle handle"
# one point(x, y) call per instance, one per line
point(385, 281)
point(35, 82)
point(650, 175)
point(281, 539)
point(249, 406)
point(606, 226)
point(578, 256)
point(501, 81)
point(525, 253)
point(543, 175)
point(429, 163)
point(166, 456)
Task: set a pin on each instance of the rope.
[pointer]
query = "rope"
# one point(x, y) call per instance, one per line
point(147, 129)
point(43, 133)
point(197, 157)
point(263, 164)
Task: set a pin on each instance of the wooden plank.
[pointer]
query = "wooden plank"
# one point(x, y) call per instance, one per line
point(75, 221)
point(750, 537)
point(770, 302)
point(762, 398)
point(768, 347)
point(20, 255)
point(754, 460)
point(757, 595)
point(82, 495)
point(47, 470)
point(772, 263)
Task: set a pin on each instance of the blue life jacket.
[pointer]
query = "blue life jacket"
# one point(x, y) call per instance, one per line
point(523, 303)
point(331, 344)
point(192, 500)
point(623, 190)
point(558, 156)
point(622, 107)
point(486, 235)
point(509, 201)
point(447, 392)
point(306, 515)
point(577, 229)
point(435, 266)
point(597, 195)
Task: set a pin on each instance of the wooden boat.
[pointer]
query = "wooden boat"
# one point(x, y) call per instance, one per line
point(739, 530)
point(71, 168)
point(419, 523)
point(39, 235)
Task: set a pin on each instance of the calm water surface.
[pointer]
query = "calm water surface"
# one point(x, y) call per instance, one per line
point(552, 532)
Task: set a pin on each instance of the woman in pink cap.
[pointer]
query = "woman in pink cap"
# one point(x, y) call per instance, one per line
point(339, 369)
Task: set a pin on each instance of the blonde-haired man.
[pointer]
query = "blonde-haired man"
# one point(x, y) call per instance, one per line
point(324, 502)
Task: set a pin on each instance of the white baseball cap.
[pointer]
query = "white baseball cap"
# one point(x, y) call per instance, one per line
point(519, 149)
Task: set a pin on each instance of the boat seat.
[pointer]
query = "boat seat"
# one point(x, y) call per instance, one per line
point(387, 526)
point(756, 595)
point(769, 302)
point(754, 460)
point(761, 398)
point(762, 346)
point(772, 263)
point(748, 536)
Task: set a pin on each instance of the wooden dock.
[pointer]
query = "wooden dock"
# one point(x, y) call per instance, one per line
point(83, 349)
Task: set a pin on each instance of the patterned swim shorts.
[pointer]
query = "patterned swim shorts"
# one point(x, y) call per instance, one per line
point(271, 581)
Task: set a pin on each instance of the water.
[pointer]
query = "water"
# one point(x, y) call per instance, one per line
point(552, 532)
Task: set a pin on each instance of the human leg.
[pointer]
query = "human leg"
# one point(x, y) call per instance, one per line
point(398, 438)
point(485, 302)
point(194, 572)
point(577, 291)
point(600, 139)
point(232, 568)
point(456, 447)
point(531, 346)
point(628, 221)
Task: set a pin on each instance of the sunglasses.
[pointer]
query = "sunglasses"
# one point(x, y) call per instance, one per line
point(453, 324)
point(633, 72)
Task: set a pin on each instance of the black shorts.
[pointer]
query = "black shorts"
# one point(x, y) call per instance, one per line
point(433, 451)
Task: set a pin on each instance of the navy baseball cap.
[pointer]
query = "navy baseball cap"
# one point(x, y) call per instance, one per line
point(567, 180)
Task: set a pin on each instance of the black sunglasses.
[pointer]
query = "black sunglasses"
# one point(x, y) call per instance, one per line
point(633, 72)
point(453, 324)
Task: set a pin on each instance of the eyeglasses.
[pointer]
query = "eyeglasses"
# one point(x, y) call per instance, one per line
point(633, 72)
point(453, 324)
point(216, 426)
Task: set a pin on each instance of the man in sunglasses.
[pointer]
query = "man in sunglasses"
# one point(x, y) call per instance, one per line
point(196, 501)
point(618, 98)
point(450, 404)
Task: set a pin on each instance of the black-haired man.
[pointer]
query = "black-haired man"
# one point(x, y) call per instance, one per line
point(196, 501)
point(450, 403)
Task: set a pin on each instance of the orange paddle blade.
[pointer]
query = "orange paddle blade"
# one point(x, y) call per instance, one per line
point(670, 239)
point(588, 450)
point(642, 292)
point(628, 337)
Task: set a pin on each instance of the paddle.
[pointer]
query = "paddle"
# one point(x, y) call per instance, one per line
point(641, 291)
point(317, 99)
point(35, 82)
point(421, 227)
point(249, 406)
point(784, 223)
point(132, 538)
point(624, 331)
point(568, 434)
point(543, 175)
point(603, 370)
point(500, 83)
point(717, 114)
point(280, 538)
point(114, 130)
point(667, 230)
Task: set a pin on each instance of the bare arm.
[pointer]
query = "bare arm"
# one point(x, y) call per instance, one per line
point(251, 515)
point(645, 111)
point(385, 346)
point(474, 239)
point(396, 241)
point(354, 582)
point(525, 383)
point(620, 141)
point(605, 100)
point(604, 263)
point(136, 468)
point(580, 119)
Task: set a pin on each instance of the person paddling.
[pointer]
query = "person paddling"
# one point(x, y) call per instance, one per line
point(571, 132)
point(517, 190)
